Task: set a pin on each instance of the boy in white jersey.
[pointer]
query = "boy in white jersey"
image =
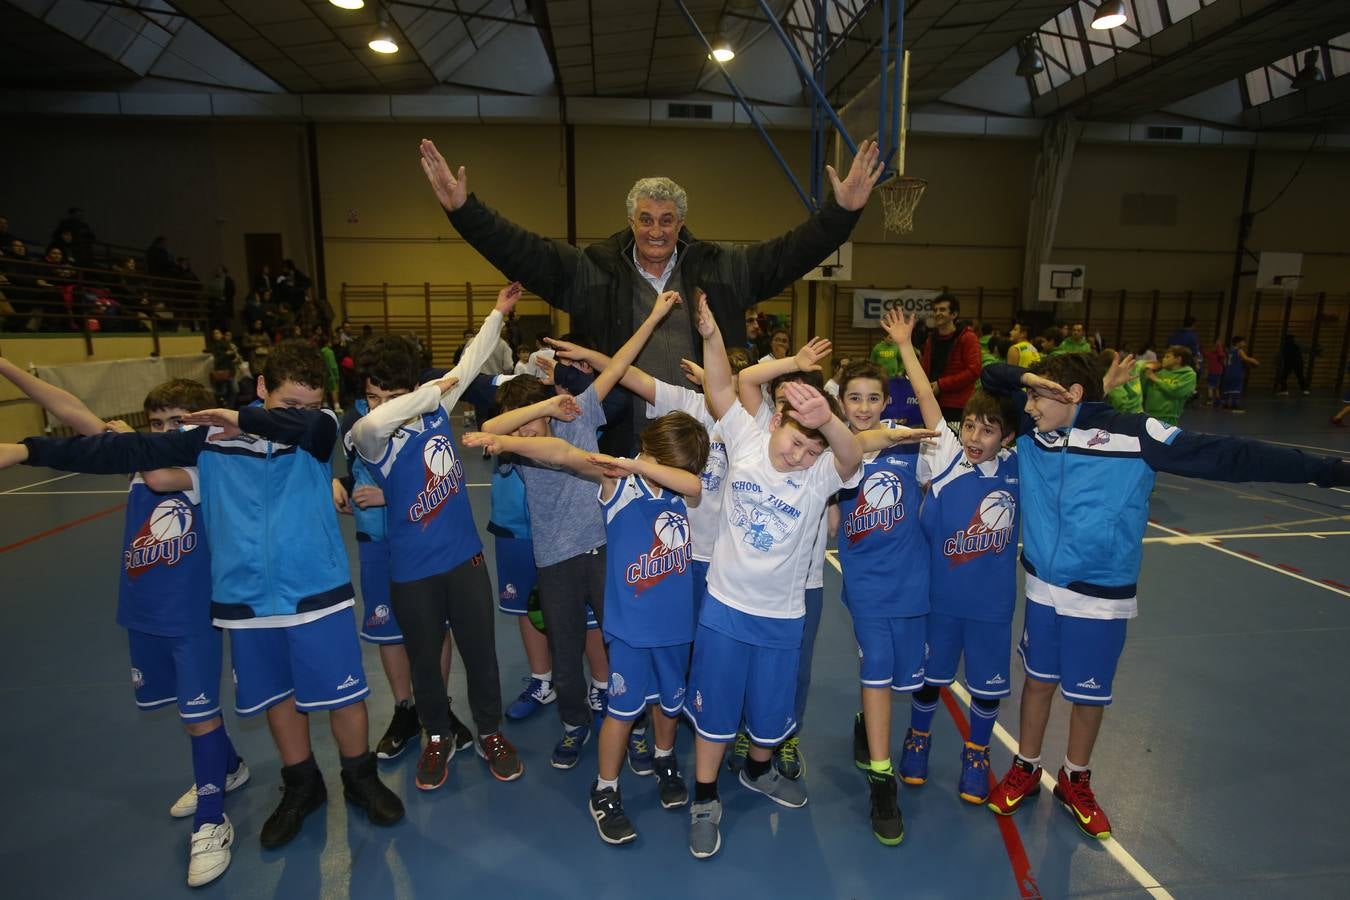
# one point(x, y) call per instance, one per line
point(750, 628)
point(970, 519)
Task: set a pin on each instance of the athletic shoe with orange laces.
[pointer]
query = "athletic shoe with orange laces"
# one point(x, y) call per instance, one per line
point(1022, 781)
point(501, 757)
point(1074, 792)
point(432, 766)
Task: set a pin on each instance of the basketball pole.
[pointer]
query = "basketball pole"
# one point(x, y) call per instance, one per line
point(904, 114)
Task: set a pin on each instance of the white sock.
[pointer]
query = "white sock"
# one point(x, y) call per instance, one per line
point(601, 784)
point(1073, 767)
point(545, 677)
point(600, 685)
point(1031, 762)
point(669, 751)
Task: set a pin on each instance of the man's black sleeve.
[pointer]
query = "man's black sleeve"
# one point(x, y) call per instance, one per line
point(113, 453)
point(312, 430)
point(1223, 458)
point(543, 266)
point(774, 264)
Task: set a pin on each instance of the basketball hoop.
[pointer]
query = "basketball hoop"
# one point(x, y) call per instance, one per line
point(900, 197)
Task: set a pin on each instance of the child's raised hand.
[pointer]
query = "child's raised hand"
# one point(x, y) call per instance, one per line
point(227, 420)
point(812, 352)
point(1046, 388)
point(902, 435)
point(564, 407)
point(446, 383)
point(612, 466)
point(1119, 372)
point(571, 353)
point(693, 371)
point(489, 442)
point(665, 302)
point(118, 426)
point(12, 455)
point(706, 324)
point(899, 325)
point(507, 297)
point(809, 405)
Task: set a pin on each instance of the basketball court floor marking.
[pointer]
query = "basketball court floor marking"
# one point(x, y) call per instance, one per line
point(23, 487)
point(1256, 562)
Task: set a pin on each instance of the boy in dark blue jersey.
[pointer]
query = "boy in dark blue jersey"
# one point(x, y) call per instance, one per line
point(164, 604)
point(280, 580)
point(1087, 472)
point(436, 555)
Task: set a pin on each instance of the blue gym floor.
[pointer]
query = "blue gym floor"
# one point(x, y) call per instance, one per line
point(1219, 765)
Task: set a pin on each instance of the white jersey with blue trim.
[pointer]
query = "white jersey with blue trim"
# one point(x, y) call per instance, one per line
point(769, 523)
point(970, 519)
point(815, 576)
point(165, 587)
point(704, 517)
point(649, 582)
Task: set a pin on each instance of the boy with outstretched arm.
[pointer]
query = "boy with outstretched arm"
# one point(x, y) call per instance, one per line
point(1087, 472)
point(281, 585)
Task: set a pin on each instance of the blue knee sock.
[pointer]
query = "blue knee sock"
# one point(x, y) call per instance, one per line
point(209, 754)
point(983, 715)
point(921, 714)
point(232, 758)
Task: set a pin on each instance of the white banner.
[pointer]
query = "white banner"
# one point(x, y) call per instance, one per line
point(869, 305)
point(117, 387)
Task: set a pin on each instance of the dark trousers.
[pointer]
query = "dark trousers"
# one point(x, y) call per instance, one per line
point(1291, 367)
point(463, 596)
point(564, 590)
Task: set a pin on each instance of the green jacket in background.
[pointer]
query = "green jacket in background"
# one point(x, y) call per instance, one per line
point(1069, 345)
point(887, 355)
point(1165, 398)
point(987, 358)
point(1129, 397)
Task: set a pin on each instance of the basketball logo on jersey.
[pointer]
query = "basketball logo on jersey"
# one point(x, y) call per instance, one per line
point(137, 679)
point(165, 537)
point(444, 474)
point(716, 467)
point(991, 528)
point(380, 615)
point(879, 506)
point(670, 552)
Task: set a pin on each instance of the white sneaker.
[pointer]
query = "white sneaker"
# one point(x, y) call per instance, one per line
point(186, 805)
point(210, 854)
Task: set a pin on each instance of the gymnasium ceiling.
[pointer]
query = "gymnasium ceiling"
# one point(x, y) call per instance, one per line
point(963, 52)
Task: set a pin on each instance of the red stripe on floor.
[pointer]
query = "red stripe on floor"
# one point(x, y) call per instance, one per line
point(1336, 584)
point(1249, 553)
point(1289, 568)
point(60, 528)
point(1012, 839)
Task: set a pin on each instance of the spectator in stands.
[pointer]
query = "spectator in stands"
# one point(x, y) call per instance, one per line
point(81, 235)
point(1077, 341)
point(224, 365)
point(159, 261)
point(5, 236)
point(262, 284)
point(292, 285)
point(344, 333)
point(220, 297)
point(511, 330)
point(951, 357)
point(1048, 342)
point(65, 242)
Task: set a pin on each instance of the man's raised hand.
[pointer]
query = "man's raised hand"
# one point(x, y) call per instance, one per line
point(452, 189)
point(853, 191)
point(809, 405)
point(507, 297)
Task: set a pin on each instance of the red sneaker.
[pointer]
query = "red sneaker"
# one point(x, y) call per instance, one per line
point(1074, 791)
point(1020, 783)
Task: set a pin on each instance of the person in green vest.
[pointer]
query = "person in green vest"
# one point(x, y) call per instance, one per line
point(1022, 352)
point(1127, 397)
point(886, 354)
point(1170, 385)
point(987, 355)
point(1076, 342)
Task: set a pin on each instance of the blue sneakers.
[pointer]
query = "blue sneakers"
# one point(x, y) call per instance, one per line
point(568, 751)
point(537, 694)
point(974, 783)
point(914, 757)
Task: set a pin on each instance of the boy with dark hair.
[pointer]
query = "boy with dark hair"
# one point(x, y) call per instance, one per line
point(164, 604)
point(1087, 472)
point(436, 556)
point(280, 581)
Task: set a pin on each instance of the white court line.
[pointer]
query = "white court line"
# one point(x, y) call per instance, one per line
point(1341, 451)
point(1255, 562)
point(1215, 538)
point(39, 483)
point(1112, 846)
point(62, 493)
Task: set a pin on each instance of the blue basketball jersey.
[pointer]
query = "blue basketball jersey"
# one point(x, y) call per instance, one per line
point(970, 519)
point(369, 521)
point(883, 554)
point(649, 582)
point(427, 514)
point(165, 588)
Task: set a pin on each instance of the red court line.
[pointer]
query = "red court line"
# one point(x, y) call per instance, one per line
point(1012, 839)
point(1289, 568)
point(60, 528)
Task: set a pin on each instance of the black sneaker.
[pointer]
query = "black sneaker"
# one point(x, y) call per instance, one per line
point(363, 789)
point(670, 783)
point(432, 765)
point(887, 824)
point(459, 731)
point(301, 794)
point(403, 729)
point(610, 820)
point(862, 756)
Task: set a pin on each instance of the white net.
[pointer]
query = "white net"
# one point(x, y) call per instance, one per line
point(900, 197)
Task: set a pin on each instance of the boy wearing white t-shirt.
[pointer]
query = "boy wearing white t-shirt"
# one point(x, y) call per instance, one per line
point(750, 627)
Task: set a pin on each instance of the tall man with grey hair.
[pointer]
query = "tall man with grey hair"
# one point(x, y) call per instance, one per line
point(610, 285)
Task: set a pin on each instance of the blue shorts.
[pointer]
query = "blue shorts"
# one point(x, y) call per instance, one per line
point(1213, 379)
point(731, 681)
point(183, 670)
point(319, 662)
point(379, 625)
point(1080, 654)
point(891, 652)
point(985, 645)
point(642, 675)
point(517, 576)
point(700, 569)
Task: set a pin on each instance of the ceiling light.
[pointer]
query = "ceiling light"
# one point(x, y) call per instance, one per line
point(1309, 74)
point(348, 4)
point(1110, 14)
point(382, 41)
point(1029, 60)
point(721, 49)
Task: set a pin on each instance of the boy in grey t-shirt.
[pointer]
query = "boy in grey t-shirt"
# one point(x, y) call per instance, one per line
point(565, 519)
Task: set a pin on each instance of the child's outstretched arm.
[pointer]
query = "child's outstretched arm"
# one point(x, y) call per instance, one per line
point(551, 450)
point(753, 378)
point(114, 453)
point(59, 402)
point(901, 327)
point(717, 386)
point(810, 407)
point(678, 480)
point(559, 406)
point(876, 439)
point(1222, 458)
point(634, 379)
point(610, 375)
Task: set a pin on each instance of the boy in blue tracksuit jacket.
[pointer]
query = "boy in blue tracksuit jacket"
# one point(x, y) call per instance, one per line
point(280, 581)
point(1087, 472)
